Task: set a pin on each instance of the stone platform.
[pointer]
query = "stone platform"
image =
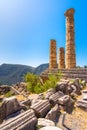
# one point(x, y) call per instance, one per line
point(80, 73)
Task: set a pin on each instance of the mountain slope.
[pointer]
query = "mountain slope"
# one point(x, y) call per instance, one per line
point(40, 68)
point(13, 73)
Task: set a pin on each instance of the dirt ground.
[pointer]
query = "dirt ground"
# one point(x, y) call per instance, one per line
point(75, 121)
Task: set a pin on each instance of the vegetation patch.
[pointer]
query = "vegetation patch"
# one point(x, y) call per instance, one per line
point(34, 85)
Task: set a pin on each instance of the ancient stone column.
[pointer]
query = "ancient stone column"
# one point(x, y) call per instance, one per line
point(70, 41)
point(61, 58)
point(53, 55)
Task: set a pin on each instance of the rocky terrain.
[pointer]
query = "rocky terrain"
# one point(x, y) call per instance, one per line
point(64, 107)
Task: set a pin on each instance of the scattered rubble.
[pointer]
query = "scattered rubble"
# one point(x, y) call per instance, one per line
point(49, 93)
point(45, 122)
point(53, 99)
point(10, 106)
point(83, 102)
point(41, 108)
point(20, 88)
point(45, 108)
point(4, 89)
point(53, 114)
point(25, 121)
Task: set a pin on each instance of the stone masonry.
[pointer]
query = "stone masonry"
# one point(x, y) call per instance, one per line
point(53, 57)
point(70, 42)
point(61, 58)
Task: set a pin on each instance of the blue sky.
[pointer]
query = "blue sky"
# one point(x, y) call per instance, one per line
point(26, 27)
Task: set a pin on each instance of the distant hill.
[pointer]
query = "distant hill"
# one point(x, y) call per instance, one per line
point(13, 73)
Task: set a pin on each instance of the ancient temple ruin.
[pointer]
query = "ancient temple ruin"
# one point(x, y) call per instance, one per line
point(70, 42)
point(66, 59)
point(53, 55)
point(61, 58)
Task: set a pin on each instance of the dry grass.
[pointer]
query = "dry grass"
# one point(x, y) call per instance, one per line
point(20, 97)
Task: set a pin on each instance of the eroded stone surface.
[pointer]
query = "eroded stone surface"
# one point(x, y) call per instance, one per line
point(53, 55)
point(41, 108)
point(10, 106)
point(61, 58)
point(53, 113)
point(45, 122)
point(70, 42)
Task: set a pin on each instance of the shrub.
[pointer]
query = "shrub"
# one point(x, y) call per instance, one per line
point(34, 85)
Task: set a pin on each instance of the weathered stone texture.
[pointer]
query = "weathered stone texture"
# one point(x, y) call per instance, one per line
point(24, 121)
point(54, 98)
point(10, 106)
point(61, 58)
point(53, 57)
point(53, 114)
point(41, 108)
point(45, 122)
point(70, 42)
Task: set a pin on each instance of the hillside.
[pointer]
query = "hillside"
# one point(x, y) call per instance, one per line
point(12, 73)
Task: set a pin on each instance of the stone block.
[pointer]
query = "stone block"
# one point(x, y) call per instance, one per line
point(54, 98)
point(41, 108)
point(24, 121)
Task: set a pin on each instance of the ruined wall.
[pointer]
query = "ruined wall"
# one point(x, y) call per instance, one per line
point(70, 42)
point(61, 58)
point(53, 55)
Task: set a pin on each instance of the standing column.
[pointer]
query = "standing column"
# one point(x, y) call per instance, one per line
point(70, 42)
point(53, 55)
point(61, 58)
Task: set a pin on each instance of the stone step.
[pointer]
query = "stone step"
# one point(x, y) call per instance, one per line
point(24, 121)
point(41, 108)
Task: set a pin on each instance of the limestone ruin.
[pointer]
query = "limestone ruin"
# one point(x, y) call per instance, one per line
point(61, 58)
point(68, 61)
point(53, 57)
point(70, 42)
